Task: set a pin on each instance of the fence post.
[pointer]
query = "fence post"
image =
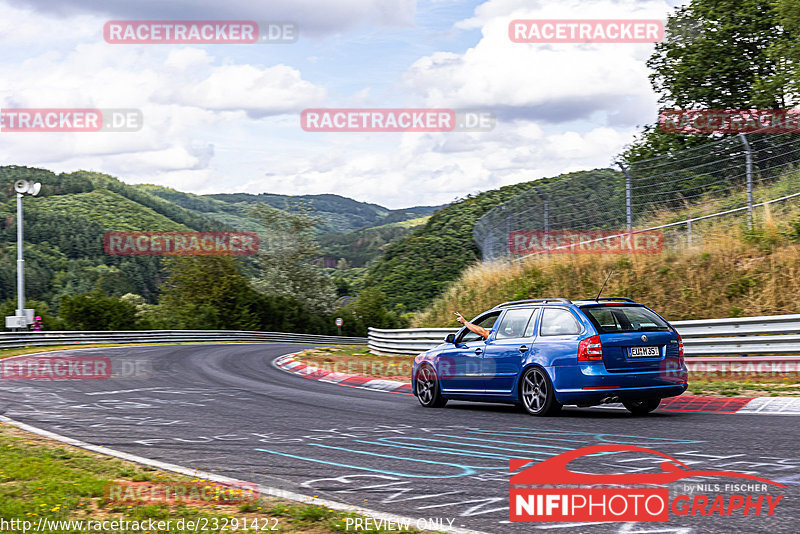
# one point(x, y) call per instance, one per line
point(628, 197)
point(689, 231)
point(546, 200)
point(748, 158)
point(508, 232)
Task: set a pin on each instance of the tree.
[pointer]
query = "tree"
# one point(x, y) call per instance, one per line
point(720, 54)
point(286, 262)
point(204, 292)
point(96, 311)
point(785, 54)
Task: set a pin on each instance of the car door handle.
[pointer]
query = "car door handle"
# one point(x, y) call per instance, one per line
point(523, 348)
point(478, 350)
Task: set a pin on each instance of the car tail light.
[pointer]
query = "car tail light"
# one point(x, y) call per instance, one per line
point(680, 346)
point(590, 349)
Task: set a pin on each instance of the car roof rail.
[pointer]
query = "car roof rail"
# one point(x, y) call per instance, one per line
point(623, 299)
point(527, 301)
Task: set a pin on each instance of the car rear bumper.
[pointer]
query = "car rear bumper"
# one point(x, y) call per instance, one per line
point(593, 384)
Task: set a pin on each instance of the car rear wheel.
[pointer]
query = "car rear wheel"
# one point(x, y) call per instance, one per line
point(428, 391)
point(642, 407)
point(536, 391)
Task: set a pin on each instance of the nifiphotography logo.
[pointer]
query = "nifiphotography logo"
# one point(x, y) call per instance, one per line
point(538, 493)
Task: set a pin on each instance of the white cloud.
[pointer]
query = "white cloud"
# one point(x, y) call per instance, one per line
point(556, 83)
point(258, 91)
point(312, 16)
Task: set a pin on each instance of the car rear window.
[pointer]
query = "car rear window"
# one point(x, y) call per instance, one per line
point(610, 319)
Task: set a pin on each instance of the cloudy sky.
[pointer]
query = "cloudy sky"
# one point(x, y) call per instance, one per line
point(226, 117)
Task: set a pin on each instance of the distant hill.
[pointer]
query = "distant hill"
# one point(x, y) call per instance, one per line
point(416, 269)
point(65, 224)
point(341, 214)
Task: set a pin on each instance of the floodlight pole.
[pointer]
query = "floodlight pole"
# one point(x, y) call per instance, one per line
point(20, 261)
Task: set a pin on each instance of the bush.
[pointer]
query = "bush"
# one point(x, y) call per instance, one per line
point(96, 311)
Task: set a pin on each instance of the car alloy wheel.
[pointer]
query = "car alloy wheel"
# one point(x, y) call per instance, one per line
point(428, 391)
point(537, 393)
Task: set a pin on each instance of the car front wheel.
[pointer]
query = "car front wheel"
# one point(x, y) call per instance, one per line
point(536, 391)
point(428, 391)
point(642, 407)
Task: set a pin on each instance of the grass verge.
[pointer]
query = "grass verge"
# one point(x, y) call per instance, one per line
point(356, 359)
point(41, 478)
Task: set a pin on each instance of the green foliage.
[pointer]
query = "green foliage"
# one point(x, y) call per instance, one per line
point(360, 247)
point(64, 256)
point(96, 311)
point(416, 269)
point(285, 264)
point(336, 213)
point(713, 52)
point(204, 292)
point(368, 309)
point(729, 54)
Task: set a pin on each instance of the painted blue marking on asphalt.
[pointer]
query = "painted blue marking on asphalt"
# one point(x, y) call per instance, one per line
point(511, 443)
point(468, 453)
point(466, 470)
point(445, 450)
point(596, 435)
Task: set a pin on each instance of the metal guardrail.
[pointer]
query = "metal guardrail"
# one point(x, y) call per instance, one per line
point(740, 336)
point(49, 338)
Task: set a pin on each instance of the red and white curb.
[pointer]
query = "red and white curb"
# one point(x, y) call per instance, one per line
point(729, 405)
point(683, 403)
point(289, 364)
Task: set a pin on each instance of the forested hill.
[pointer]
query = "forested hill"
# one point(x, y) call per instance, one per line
point(65, 224)
point(339, 214)
point(414, 270)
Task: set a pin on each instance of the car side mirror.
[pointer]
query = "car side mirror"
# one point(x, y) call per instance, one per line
point(451, 338)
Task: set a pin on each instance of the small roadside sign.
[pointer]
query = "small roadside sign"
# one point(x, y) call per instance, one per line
point(339, 321)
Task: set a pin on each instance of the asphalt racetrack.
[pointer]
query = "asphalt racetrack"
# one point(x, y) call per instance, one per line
point(228, 410)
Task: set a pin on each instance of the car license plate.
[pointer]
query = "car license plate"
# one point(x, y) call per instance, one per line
point(644, 352)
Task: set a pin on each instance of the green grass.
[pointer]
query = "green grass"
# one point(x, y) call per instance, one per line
point(746, 387)
point(41, 478)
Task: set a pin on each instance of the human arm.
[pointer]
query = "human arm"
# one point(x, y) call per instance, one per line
point(481, 331)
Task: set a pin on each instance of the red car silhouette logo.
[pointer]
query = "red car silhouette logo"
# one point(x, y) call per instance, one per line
point(554, 470)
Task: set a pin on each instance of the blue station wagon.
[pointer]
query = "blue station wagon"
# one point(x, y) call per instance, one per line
point(544, 353)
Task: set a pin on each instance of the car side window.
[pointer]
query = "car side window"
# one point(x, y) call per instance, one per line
point(486, 321)
point(514, 323)
point(559, 322)
point(529, 330)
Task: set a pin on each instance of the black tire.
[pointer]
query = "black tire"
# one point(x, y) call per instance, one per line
point(429, 393)
point(642, 407)
point(536, 393)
